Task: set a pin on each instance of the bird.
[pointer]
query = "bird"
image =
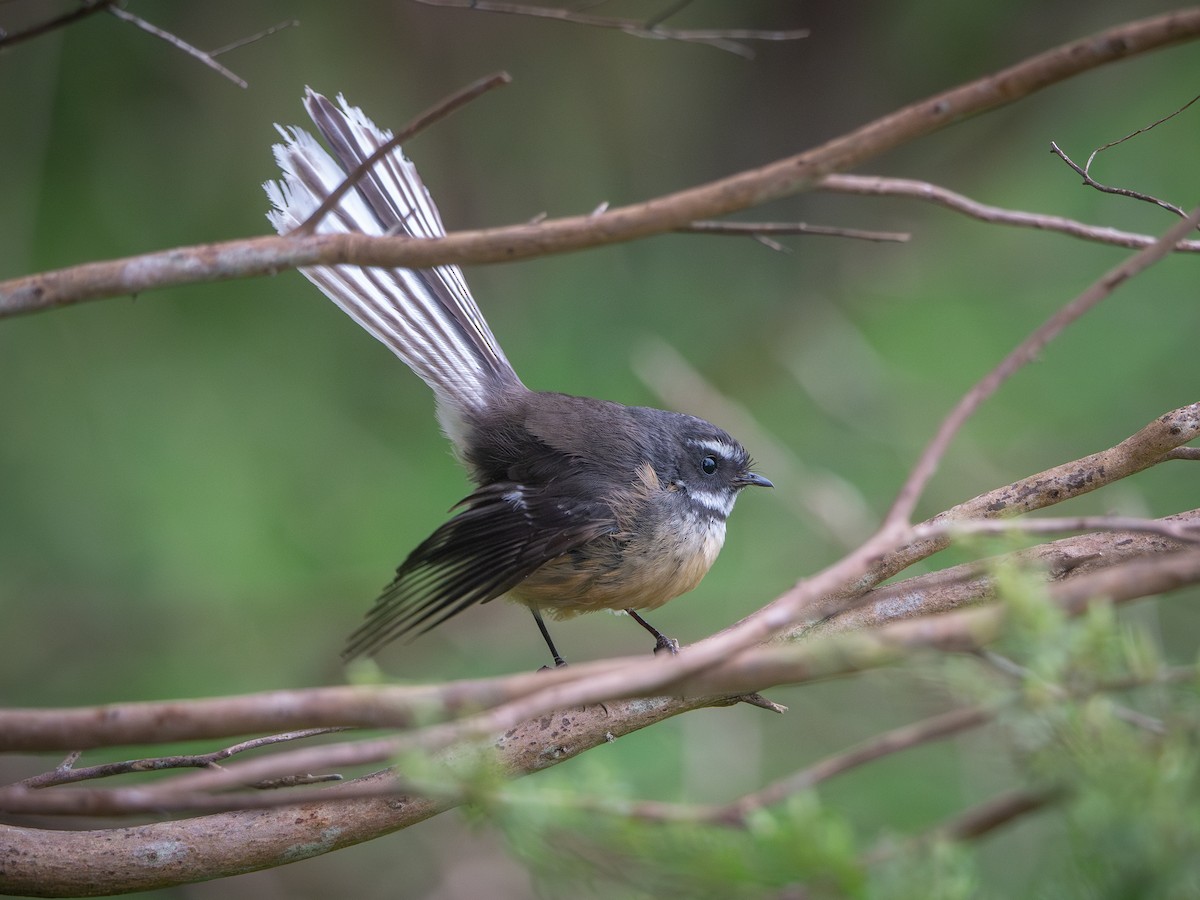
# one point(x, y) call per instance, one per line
point(580, 504)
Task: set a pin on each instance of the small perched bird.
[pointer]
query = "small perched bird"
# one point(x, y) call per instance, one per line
point(581, 504)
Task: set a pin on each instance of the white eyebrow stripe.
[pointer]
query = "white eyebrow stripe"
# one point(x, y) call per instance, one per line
point(722, 449)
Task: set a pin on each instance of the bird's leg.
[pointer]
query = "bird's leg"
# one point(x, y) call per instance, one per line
point(537, 617)
point(661, 641)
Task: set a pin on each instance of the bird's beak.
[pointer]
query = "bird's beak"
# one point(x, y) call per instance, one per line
point(751, 479)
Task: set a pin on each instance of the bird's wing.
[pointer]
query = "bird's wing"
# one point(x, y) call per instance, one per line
point(502, 534)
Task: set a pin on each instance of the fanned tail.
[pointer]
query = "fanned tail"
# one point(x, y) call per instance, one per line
point(427, 317)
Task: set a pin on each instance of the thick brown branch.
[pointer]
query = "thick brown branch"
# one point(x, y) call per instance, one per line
point(971, 583)
point(544, 741)
point(267, 255)
point(211, 846)
point(405, 706)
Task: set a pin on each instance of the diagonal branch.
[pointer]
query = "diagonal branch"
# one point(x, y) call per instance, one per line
point(785, 177)
point(1022, 354)
point(435, 113)
point(85, 9)
point(408, 706)
point(176, 41)
point(880, 186)
point(528, 748)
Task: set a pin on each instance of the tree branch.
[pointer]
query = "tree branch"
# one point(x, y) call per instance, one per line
point(728, 39)
point(1023, 353)
point(271, 254)
point(85, 9)
point(407, 706)
point(879, 186)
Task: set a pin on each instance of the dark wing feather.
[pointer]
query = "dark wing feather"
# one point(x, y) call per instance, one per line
point(503, 534)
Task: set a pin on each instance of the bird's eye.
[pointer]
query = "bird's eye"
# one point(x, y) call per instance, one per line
point(708, 465)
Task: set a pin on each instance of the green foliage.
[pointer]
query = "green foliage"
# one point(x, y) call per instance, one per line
point(202, 489)
point(797, 844)
point(1087, 708)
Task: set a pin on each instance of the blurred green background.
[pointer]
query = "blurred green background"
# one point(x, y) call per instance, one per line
point(202, 489)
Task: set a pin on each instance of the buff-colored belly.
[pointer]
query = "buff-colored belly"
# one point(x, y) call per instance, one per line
point(642, 573)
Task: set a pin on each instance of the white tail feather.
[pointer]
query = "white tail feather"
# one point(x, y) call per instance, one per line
point(427, 317)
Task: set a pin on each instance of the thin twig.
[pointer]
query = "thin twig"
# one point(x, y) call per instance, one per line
point(435, 113)
point(67, 773)
point(85, 9)
point(880, 186)
point(757, 229)
point(1141, 130)
point(722, 38)
point(257, 36)
point(666, 13)
point(175, 41)
point(738, 813)
point(784, 177)
point(1108, 189)
point(1085, 171)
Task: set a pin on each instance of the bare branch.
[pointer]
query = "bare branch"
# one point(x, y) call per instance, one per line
point(1108, 189)
point(758, 229)
point(986, 817)
point(879, 186)
point(722, 38)
point(254, 38)
point(85, 9)
point(212, 846)
point(897, 740)
point(66, 773)
point(1151, 445)
point(270, 254)
point(1186, 532)
point(972, 583)
point(1085, 171)
point(435, 113)
point(525, 749)
point(1141, 130)
point(175, 41)
point(1026, 351)
point(406, 706)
